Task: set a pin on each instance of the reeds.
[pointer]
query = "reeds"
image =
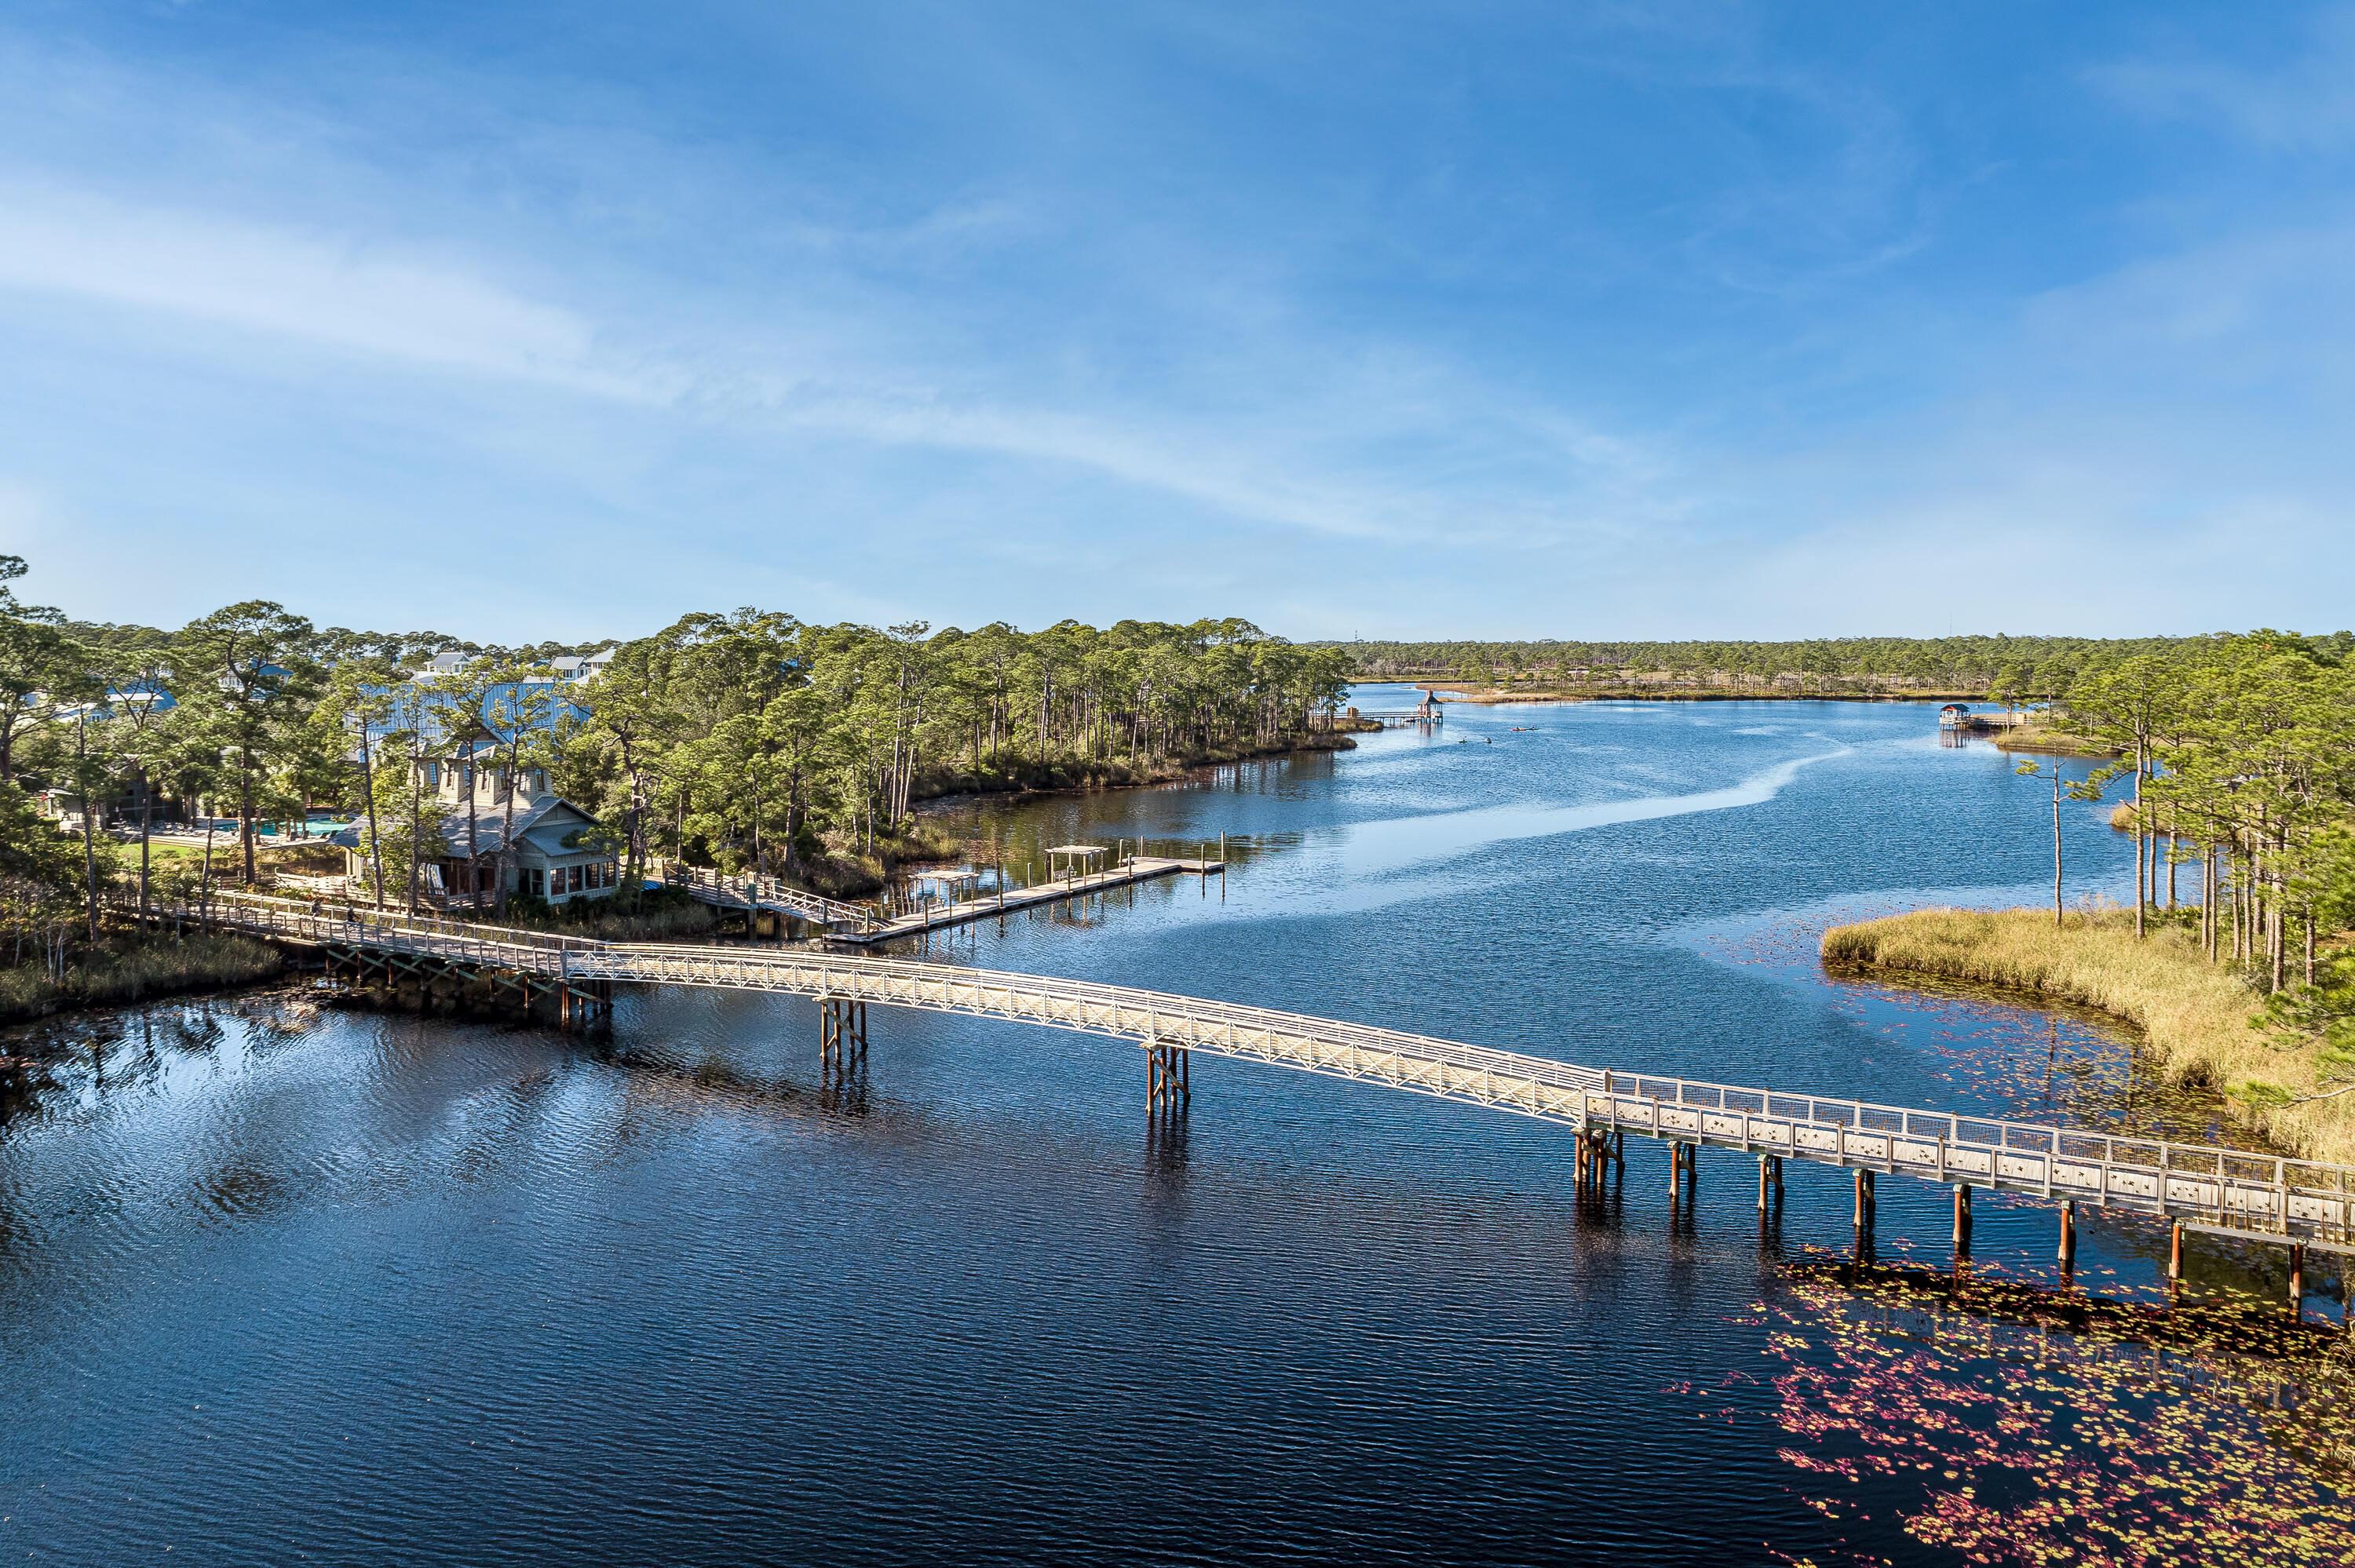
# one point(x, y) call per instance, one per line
point(126, 967)
point(2196, 1017)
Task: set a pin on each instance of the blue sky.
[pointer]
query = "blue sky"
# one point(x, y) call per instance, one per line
point(1480, 320)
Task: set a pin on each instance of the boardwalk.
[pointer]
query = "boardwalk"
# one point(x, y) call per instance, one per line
point(767, 895)
point(852, 923)
point(2202, 1187)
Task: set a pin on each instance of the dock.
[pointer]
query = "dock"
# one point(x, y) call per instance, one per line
point(863, 924)
point(1956, 717)
point(1006, 900)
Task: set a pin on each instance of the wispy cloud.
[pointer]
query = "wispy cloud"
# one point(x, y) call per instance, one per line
point(2302, 101)
point(338, 292)
point(1506, 320)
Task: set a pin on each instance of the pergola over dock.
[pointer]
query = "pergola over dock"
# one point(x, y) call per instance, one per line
point(1079, 860)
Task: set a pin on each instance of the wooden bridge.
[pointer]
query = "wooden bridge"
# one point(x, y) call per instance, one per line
point(766, 895)
point(2198, 1187)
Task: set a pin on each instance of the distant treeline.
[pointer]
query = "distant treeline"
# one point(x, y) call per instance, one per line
point(2020, 665)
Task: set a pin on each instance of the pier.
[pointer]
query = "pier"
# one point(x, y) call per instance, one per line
point(1424, 717)
point(863, 924)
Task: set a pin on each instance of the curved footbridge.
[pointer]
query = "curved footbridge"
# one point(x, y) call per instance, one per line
point(2199, 1186)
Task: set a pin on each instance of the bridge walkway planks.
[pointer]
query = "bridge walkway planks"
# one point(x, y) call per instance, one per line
point(2254, 1196)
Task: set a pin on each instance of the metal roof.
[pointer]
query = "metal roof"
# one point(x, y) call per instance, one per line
point(490, 824)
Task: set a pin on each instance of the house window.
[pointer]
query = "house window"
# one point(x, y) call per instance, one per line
point(539, 884)
point(573, 878)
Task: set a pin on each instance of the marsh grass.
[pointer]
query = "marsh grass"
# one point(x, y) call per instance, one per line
point(2195, 1016)
point(126, 967)
point(2051, 742)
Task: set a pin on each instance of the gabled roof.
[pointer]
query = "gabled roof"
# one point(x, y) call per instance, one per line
point(490, 824)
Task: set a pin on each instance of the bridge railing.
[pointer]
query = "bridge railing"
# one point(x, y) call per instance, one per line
point(741, 888)
point(2261, 1195)
point(2224, 1188)
point(354, 923)
point(1120, 1011)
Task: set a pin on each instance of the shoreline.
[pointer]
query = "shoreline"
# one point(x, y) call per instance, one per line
point(2044, 742)
point(1183, 773)
point(2193, 1016)
point(143, 970)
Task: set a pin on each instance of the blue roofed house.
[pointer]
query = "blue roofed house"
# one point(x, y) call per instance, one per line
point(555, 856)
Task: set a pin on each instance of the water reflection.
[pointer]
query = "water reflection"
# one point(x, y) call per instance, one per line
point(389, 1287)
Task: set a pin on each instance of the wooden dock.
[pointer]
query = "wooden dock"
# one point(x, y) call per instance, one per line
point(940, 916)
point(857, 923)
point(2017, 719)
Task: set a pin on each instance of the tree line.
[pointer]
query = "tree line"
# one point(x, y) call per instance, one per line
point(760, 742)
point(2029, 666)
point(744, 740)
point(2238, 753)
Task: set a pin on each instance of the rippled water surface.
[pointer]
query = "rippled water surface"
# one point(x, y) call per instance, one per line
point(281, 1284)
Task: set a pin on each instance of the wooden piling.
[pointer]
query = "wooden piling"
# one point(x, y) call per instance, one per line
point(2175, 1251)
point(2068, 1233)
point(1169, 1077)
point(2298, 1280)
point(1962, 1219)
point(1863, 1198)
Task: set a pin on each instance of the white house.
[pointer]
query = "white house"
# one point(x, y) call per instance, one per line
point(448, 662)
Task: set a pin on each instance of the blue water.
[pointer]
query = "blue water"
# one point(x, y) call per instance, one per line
point(280, 1284)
